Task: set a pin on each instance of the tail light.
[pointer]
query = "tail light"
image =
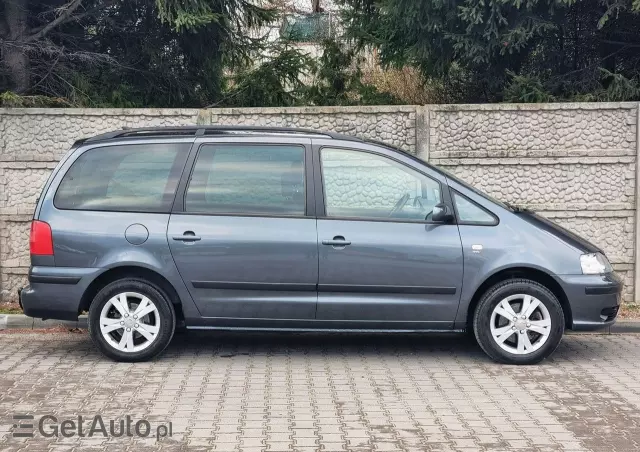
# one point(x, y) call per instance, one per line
point(41, 240)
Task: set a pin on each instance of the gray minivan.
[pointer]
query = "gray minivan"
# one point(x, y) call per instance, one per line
point(279, 229)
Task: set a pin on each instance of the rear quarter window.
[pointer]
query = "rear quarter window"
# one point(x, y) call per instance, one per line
point(129, 178)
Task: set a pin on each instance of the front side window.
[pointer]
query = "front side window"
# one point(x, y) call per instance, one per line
point(364, 185)
point(470, 212)
point(247, 179)
point(128, 178)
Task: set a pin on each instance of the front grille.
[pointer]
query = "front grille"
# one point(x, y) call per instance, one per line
point(608, 314)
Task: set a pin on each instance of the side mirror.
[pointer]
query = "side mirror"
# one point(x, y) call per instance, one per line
point(441, 213)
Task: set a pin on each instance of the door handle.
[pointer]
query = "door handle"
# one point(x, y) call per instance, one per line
point(338, 240)
point(188, 236)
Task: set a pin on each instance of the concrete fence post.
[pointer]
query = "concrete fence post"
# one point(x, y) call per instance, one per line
point(636, 251)
point(204, 117)
point(422, 132)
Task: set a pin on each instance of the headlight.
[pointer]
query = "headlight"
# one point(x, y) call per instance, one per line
point(594, 264)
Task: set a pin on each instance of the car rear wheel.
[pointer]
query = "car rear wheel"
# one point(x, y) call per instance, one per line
point(131, 320)
point(518, 321)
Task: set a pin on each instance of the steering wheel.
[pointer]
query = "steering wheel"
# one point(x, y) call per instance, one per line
point(400, 204)
point(417, 202)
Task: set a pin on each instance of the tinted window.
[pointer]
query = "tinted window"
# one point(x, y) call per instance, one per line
point(135, 178)
point(248, 179)
point(470, 212)
point(364, 185)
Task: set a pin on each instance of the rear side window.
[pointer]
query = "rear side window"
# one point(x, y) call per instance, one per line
point(248, 179)
point(128, 178)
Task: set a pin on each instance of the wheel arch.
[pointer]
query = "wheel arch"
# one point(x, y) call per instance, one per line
point(534, 274)
point(132, 271)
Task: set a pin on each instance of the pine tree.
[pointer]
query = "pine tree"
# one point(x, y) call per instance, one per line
point(126, 53)
point(483, 49)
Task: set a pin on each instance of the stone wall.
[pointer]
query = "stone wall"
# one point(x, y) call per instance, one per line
point(574, 163)
point(393, 125)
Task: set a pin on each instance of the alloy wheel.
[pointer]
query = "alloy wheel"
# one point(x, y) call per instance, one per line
point(130, 322)
point(520, 324)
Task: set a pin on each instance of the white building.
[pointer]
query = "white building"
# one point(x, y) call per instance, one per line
point(305, 23)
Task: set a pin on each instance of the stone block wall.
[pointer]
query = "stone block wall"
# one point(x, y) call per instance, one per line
point(395, 125)
point(574, 163)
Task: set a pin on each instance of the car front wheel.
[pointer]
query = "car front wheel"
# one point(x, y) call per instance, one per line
point(130, 320)
point(518, 321)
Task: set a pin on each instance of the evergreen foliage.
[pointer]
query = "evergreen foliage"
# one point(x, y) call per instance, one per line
point(126, 53)
point(194, 53)
point(515, 50)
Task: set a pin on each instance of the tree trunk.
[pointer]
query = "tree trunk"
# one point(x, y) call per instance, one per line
point(14, 53)
point(17, 63)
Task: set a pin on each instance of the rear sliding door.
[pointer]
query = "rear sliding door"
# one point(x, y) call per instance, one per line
point(242, 234)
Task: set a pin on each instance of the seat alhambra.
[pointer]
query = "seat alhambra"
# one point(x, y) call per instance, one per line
point(262, 228)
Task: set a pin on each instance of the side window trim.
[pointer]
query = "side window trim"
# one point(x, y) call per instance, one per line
point(454, 193)
point(179, 205)
point(321, 201)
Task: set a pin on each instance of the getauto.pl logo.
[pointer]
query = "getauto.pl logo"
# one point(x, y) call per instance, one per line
point(50, 426)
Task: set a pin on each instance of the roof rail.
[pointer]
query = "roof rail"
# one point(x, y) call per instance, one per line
point(213, 130)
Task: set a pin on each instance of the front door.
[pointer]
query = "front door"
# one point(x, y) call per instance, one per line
point(241, 235)
point(383, 264)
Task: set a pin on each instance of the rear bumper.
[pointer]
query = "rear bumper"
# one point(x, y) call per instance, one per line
point(594, 299)
point(56, 292)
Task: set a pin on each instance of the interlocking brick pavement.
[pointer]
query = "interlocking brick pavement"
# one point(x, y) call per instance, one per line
point(317, 392)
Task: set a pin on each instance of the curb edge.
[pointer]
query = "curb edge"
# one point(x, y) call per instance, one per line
point(21, 321)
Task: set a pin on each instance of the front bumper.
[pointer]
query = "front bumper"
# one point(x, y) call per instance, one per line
point(594, 299)
point(55, 292)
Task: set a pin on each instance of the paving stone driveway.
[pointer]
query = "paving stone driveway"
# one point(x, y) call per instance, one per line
point(224, 391)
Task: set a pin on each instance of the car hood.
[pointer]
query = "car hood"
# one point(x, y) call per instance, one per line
point(563, 234)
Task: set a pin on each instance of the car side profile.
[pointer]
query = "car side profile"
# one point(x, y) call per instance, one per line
point(279, 229)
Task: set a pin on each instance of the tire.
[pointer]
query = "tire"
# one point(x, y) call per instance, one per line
point(530, 340)
point(149, 335)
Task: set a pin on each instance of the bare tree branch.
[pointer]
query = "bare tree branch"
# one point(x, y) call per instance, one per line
point(92, 11)
point(54, 51)
point(86, 13)
point(53, 65)
point(67, 10)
